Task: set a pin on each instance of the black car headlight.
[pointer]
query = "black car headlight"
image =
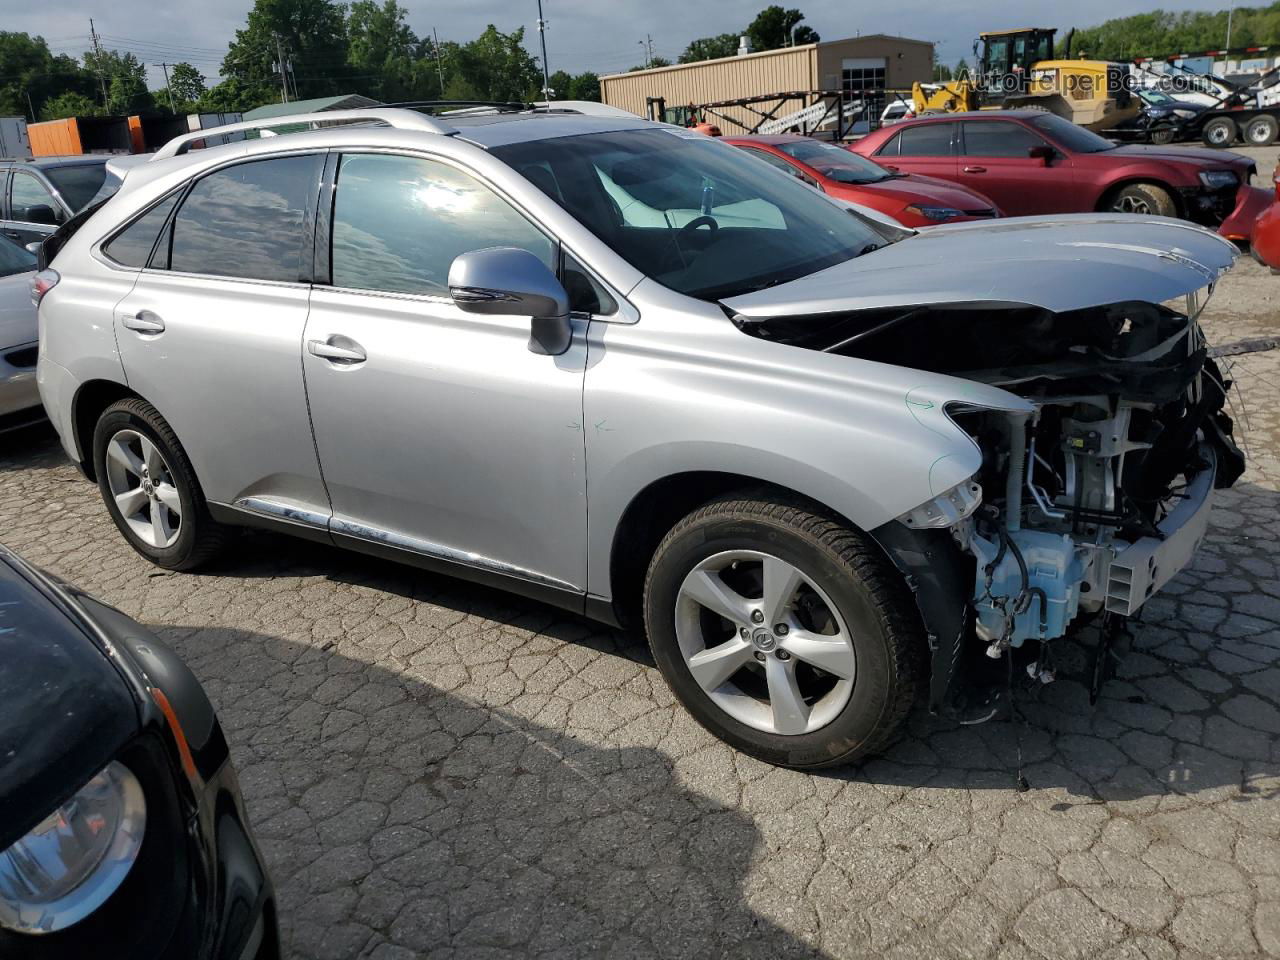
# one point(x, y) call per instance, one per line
point(76, 857)
point(1219, 179)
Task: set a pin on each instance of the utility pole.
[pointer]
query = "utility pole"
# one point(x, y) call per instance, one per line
point(284, 76)
point(439, 69)
point(168, 89)
point(30, 107)
point(542, 35)
point(97, 50)
point(1230, 12)
point(647, 45)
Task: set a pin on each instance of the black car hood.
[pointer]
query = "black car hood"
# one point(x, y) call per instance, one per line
point(65, 709)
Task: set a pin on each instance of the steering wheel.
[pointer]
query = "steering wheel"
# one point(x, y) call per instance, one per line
point(697, 222)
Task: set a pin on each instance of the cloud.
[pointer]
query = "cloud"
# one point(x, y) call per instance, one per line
point(582, 34)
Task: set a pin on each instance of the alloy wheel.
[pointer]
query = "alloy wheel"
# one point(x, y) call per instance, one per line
point(764, 642)
point(142, 485)
point(1131, 205)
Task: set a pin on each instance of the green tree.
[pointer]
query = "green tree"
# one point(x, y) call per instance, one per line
point(313, 36)
point(497, 66)
point(186, 84)
point(125, 77)
point(234, 95)
point(28, 69)
point(561, 83)
point(382, 49)
point(585, 86)
point(458, 87)
point(773, 28)
point(69, 104)
point(710, 48)
point(655, 62)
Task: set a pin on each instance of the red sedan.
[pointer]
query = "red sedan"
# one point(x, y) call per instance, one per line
point(911, 199)
point(1266, 232)
point(1032, 163)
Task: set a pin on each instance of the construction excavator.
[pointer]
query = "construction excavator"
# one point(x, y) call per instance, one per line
point(1016, 69)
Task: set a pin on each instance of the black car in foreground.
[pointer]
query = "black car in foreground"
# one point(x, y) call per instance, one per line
point(122, 830)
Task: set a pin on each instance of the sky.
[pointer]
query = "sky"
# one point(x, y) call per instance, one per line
point(605, 37)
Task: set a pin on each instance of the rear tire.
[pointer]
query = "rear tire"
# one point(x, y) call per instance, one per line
point(1144, 198)
point(1261, 131)
point(847, 609)
point(1219, 132)
point(1162, 136)
point(151, 490)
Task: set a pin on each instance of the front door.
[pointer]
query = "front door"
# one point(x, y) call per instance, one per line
point(995, 161)
point(211, 333)
point(34, 212)
point(439, 432)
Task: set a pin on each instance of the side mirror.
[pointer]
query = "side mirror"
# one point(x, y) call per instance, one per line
point(508, 281)
point(41, 213)
point(1041, 152)
point(33, 247)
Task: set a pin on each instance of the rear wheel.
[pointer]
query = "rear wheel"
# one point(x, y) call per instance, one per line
point(783, 632)
point(1261, 131)
point(1144, 198)
point(150, 489)
point(1162, 135)
point(1219, 132)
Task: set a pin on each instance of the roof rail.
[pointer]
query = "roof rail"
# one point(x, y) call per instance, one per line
point(396, 118)
point(502, 106)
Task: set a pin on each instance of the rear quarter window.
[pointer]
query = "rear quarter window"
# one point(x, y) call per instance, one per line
point(132, 246)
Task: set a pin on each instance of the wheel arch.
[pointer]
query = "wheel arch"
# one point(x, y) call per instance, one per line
point(92, 397)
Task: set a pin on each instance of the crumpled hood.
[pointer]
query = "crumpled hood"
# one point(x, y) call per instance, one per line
point(1058, 263)
point(17, 315)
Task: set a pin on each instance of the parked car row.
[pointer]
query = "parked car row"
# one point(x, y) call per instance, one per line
point(1034, 163)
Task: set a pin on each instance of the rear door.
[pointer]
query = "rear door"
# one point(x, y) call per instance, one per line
point(211, 333)
point(924, 148)
point(994, 160)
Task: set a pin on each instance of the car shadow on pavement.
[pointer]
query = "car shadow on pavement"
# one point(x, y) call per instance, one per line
point(399, 820)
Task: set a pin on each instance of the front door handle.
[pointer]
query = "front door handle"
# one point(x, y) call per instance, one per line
point(144, 321)
point(975, 169)
point(340, 350)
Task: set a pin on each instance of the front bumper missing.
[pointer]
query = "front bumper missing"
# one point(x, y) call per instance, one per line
point(1142, 568)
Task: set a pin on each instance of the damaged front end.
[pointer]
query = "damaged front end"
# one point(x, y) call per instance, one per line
point(1089, 498)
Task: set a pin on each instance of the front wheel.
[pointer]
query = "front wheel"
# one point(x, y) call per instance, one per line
point(150, 489)
point(784, 632)
point(1144, 198)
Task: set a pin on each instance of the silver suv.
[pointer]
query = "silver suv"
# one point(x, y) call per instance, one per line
point(831, 466)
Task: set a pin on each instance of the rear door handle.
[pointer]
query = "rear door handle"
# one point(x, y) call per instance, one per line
point(144, 321)
point(341, 350)
point(975, 169)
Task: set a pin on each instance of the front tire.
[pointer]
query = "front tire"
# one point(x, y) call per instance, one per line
point(1145, 199)
point(150, 489)
point(784, 632)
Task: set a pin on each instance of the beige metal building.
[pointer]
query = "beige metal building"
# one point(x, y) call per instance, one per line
point(854, 65)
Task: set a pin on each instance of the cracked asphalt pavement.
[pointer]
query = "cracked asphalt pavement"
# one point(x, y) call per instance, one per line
point(436, 769)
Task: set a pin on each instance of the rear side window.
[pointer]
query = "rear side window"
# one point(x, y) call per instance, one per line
point(925, 140)
point(247, 221)
point(399, 222)
point(998, 138)
point(131, 247)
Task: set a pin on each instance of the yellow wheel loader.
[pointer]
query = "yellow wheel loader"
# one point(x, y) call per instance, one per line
point(1016, 69)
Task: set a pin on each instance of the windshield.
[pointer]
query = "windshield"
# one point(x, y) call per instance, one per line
point(834, 162)
point(1072, 138)
point(700, 217)
point(78, 184)
point(14, 259)
point(1156, 97)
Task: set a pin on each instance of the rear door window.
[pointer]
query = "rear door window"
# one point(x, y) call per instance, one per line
point(249, 221)
point(78, 183)
point(31, 201)
point(926, 140)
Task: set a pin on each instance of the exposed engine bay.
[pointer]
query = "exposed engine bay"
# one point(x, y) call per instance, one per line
point(1087, 505)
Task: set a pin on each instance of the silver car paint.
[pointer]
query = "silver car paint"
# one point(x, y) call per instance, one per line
point(17, 330)
point(505, 472)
